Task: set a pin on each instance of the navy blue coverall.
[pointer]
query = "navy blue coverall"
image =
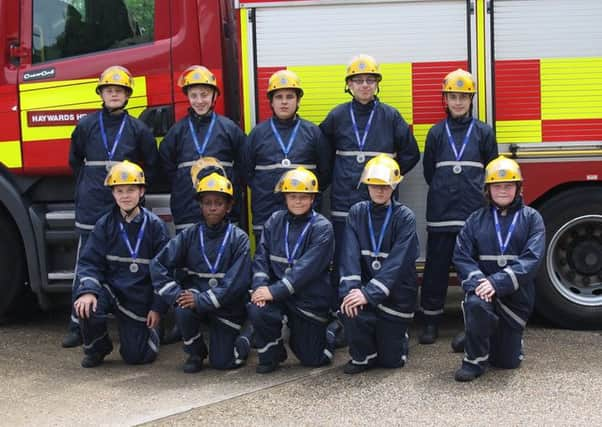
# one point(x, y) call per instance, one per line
point(104, 270)
point(220, 296)
point(452, 197)
point(378, 334)
point(494, 330)
point(178, 153)
point(301, 288)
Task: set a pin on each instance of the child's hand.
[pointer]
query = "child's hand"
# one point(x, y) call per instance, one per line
point(85, 305)
point(353, 302)
point(262, 295)
point(485, 290)
point(152, 319)
point(186, 300)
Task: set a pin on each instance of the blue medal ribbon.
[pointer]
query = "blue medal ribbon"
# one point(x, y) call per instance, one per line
point(285, 149)
point(103, 134)
point(381, 236)
point(222, 247)
point(503, 243)
point(133, 252)
point(452, 142)
point(201, 149)
point(290, 256)
point(361, 141)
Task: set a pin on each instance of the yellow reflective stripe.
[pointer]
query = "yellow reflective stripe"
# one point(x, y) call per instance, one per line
point(244, 46)
point(480, 10)
point(10, 154)
point(508, 131)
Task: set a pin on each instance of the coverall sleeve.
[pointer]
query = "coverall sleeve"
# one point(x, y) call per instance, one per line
point(235, 284)
point(239, 140)
point(324, 156)
point(403, 252)
point(150, 154)
point(408, 154)
point(161, 238)
point(261, 262)
point(309, 265)
point(92, 264)
point(249, 162)
point(167, 154)
point(351, 259)
point(465, 258)
point(490, 149)
point(163, 266)
point(523, 270)
point(428, 158)
point(77, 150)
point(328, 131)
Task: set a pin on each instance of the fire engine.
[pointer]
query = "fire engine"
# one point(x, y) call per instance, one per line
point(538, 65)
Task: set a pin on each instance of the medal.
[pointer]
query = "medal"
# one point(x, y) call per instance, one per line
point(285, 149)
point(201, 149)
point(133, 252)
point(376, 264)
point(290, 256)
point(502, 262)
point(213, 267)
point(105, 142)
point(457, 169)
point(503, 243)
point(361, 157)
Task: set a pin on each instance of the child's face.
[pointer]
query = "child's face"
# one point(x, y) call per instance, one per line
point(215, 207)
point(380, 194)
point(458, 103)
point(502, 193)
point(284, 103)
point(299, 203)
point(127, 196)
point(200, 98)
point(363, 87)
point(114, 97)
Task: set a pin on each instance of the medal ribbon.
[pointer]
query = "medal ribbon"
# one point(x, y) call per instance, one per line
point(222, 247)
point(291, 256)
point(103, 134)
point(452, 142)
point(124, 236)
point(381, 236)
point(201, 149)
point(498, 230)
point(285, 149)
point(361, 141)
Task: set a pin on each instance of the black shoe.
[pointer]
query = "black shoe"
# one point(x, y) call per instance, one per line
point(352, 369)
point(429, 334)
point(193, 364)
point(174, 335)
point(335, 335)
point(267, 368)
point(457, 343)
point(242, 347)
point(94, 359)
point(466, 375)
point(72, 339)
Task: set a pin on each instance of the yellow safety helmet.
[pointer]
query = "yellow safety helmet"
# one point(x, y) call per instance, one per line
point(284, 79)
point(205, 165)
point(502, 169)
point(124, 173)
point(116, 75)
point(363, 64)
point(381, 170)
point(197, 75)
point(298, 180)
point(459, 81)
point(215, 183)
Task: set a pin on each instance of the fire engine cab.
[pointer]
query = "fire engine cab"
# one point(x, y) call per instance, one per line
point(538, 65)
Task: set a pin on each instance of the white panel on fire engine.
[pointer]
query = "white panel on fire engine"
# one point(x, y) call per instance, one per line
point(530, 29)
point(332, 34)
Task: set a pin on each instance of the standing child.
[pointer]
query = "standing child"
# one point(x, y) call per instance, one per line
point(100, 140)
point(215, 254)
point(497, 255)
point(378, 275)
point(291, 277)
point(284, 141)
point(114, 277)
point(201, 133)
point(456, 152)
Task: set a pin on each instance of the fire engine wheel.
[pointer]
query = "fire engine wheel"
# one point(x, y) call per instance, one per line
point(569, 284)
point(12, 264)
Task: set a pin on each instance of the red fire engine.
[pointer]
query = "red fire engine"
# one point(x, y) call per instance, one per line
point(538, 66)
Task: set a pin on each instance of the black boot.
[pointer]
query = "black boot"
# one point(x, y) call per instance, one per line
point(193, 364)
point(465, 375)
point(352, 369)
point(72, 339)
point(457, 343)
point(174, 335)
point(266, 368)
point(93, 360)
point(429, 334)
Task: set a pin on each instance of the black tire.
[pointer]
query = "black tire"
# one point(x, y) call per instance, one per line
point(569, 283)
point(12, 264)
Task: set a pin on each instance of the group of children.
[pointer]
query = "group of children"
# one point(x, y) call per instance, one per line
point(359, 268)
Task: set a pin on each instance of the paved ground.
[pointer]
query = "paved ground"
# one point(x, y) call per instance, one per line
point(560, 383)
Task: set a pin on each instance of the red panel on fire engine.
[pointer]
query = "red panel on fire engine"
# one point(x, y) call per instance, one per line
point(427, 78)
point(9, 118)
point(571, 130)
point(263, 76)
point(46, 157)
point(158, 89)
point(517, 90)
